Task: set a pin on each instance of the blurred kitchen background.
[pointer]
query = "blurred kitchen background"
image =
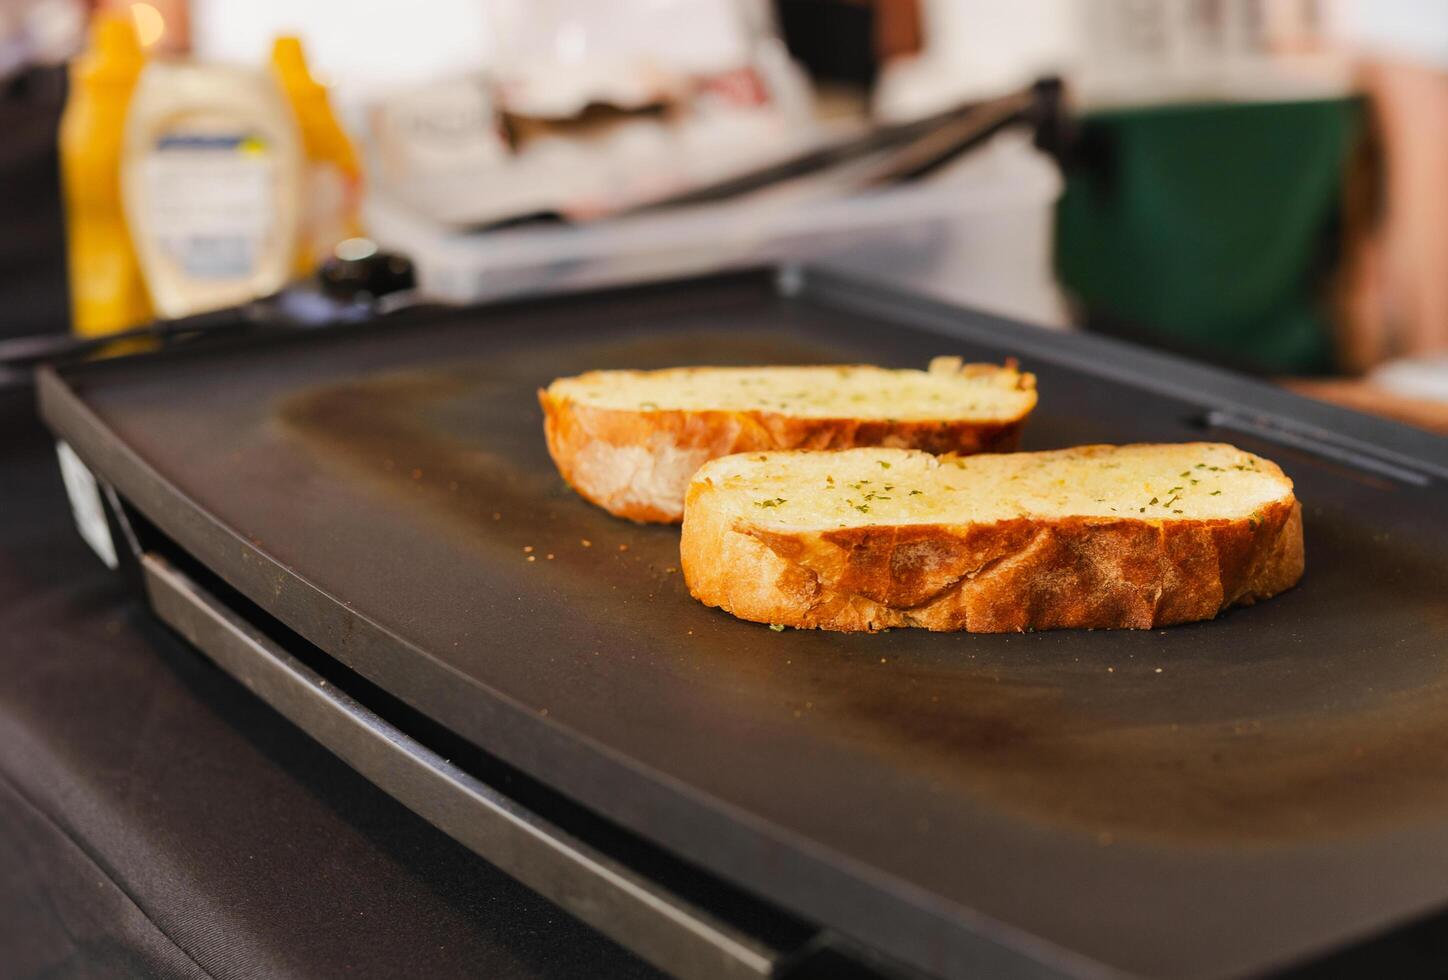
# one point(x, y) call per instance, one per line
point(1261, 184)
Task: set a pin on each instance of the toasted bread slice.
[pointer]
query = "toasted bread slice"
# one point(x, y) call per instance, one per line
point(630, 440)
point(1097, 536)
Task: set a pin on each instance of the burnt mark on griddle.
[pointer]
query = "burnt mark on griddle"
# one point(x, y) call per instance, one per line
point(437, 442)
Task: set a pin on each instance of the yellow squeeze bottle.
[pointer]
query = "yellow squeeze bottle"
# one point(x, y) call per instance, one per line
point(334, 174)
point(106, 287)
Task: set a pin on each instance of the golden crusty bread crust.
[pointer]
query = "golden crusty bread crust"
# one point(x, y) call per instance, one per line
point(637, 463)
point(1027, 573)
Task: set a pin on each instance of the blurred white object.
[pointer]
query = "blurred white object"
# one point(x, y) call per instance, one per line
point(1419, 377)
point(438, 130)
point(1398, 30)
point(1144, 52)
point(366, 49)
point(362, 49)
point(978, 234)
point(979, 49)
point(553, 57)
point(636, 161)
point(1115, 52)
point(39, 32)
point(681, 93)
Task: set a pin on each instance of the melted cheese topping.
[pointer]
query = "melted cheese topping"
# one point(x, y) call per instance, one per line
point(821, 490)
point(986, 393)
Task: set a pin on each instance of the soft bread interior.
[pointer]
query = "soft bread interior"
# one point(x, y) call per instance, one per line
point(802, 491)
point(948, 391)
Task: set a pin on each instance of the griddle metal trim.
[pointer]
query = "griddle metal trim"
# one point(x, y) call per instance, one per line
point(658, 926)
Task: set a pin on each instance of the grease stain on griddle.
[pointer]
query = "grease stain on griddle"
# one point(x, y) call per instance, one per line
point(435, 423)
point(1217, 747)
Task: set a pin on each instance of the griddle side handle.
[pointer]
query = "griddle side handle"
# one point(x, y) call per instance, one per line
point(635, 912)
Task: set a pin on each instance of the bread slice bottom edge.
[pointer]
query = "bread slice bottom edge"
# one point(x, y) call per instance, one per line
point(1009, 576)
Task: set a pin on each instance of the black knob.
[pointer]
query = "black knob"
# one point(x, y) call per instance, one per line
point(358, 270)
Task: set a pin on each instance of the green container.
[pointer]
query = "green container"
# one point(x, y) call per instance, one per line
point(1212, 228)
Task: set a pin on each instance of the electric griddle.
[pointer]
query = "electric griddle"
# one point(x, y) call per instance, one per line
point(362, 525)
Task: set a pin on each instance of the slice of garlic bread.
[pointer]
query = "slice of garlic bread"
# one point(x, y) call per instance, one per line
point(630, 440)
point(1098, 536)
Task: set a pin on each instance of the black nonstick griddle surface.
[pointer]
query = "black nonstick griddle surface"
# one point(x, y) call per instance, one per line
point(1209, 800)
